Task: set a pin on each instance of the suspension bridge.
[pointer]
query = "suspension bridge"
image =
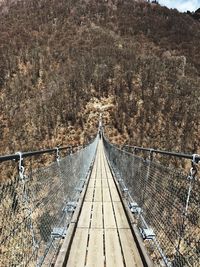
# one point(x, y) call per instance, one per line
point(100, 205)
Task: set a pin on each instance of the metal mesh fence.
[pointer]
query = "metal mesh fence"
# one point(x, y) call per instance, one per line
point(166, 205)
point(36, 209)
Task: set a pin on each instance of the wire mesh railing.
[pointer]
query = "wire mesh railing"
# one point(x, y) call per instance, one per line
point(165, 203)
point(36, 208)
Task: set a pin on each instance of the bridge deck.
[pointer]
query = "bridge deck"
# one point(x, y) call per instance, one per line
point(103, 237)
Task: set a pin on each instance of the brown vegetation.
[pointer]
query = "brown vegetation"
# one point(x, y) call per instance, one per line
point(56, 58)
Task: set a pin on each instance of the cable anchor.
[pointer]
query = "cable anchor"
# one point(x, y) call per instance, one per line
point(25, 198)
point(57, 154)
point(193, 169)
point(21, 168)
point(151, 154)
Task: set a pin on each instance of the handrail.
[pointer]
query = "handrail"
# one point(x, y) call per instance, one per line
point(32, 153)
point(194, 157)
point(38, 152)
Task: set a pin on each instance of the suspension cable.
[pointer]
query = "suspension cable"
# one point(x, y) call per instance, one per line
point(25, 197)
point(191, 178)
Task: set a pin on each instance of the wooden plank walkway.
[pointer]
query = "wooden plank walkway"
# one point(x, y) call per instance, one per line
point(103, 237)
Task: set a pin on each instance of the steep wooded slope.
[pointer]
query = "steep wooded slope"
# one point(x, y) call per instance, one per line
point(60, 61)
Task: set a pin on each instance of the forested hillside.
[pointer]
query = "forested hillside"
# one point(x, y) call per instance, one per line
point(62, 62)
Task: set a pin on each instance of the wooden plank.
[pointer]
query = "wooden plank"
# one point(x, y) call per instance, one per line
point(109, 175)
point(98, 183)
point(111, 183)
point(89, 194)
point(120, 215)
point(114, 194)
point(97, 218)
point(107, 169)
point(78, 249)
point(130, 251)
point(91, 183)
point(98, 176)
point(106, 194)
point(93, 175)
point(95, 257)
point(104, 175)
point(106, 165)
point(112, 249)
point(108, 215)
point(98, 194)
point(119, 247)
point(84, 219)
point(104, 183)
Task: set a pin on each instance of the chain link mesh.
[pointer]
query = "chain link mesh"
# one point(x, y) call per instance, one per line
point(35, 210)
point(160, 194)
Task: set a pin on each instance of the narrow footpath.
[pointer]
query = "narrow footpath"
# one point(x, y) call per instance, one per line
point(103, 237)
